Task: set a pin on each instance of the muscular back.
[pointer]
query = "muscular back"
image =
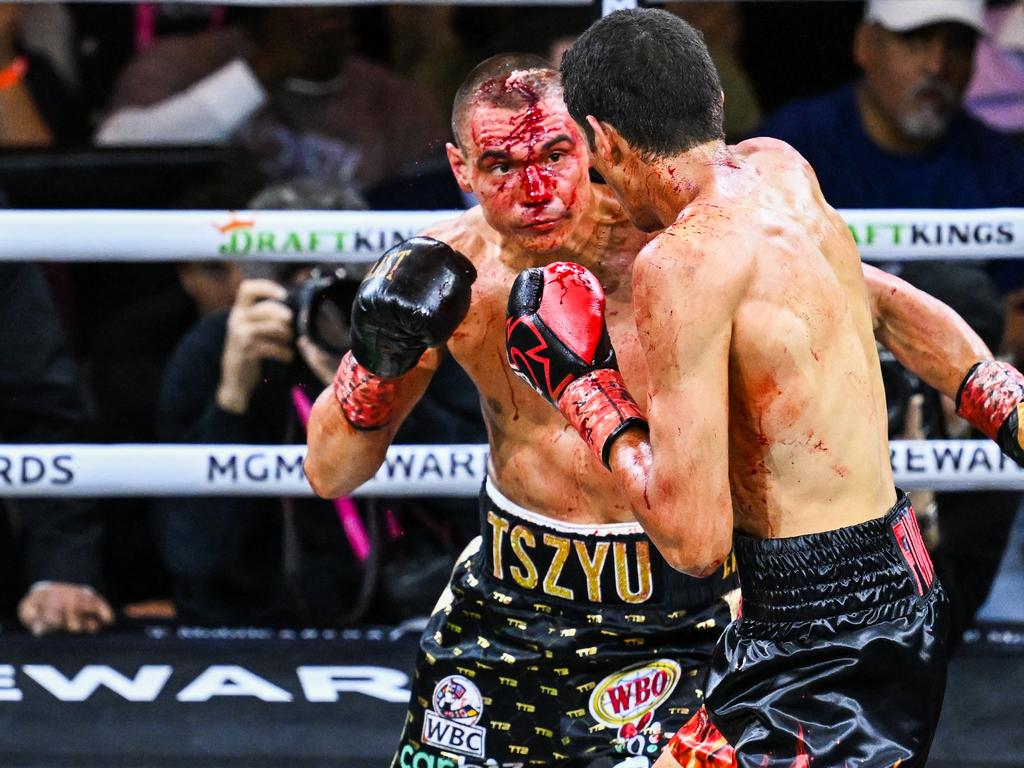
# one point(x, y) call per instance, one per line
point(537, 459)
point(762, 252)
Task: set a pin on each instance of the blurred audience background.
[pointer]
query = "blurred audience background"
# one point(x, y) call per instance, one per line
point(228, 107)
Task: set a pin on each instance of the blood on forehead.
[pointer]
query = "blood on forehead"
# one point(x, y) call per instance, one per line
point(518, 112)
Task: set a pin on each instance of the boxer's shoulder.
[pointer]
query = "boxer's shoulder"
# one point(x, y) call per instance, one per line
point(467, 233)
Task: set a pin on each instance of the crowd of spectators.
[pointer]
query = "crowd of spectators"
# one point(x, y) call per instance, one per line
point(342, 107)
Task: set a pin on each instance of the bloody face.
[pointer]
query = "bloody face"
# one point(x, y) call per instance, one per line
point(624, 180)
point(528, 168)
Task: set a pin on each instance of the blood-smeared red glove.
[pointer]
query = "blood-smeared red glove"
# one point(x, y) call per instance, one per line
point(557, 342)
point(991, 398)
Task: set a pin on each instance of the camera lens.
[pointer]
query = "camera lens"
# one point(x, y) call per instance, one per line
point(321, 306)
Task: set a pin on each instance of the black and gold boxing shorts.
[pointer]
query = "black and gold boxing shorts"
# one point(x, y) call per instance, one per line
point(839, 658)
point(563, 645)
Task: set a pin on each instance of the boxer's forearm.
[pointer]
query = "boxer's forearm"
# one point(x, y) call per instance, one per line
point(340, 456)
point(684, 544)
point(925, 335)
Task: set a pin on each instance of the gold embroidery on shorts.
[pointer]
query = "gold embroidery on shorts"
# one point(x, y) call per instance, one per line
point(522, 536)
point(644, 587)
point(500, 526)
point(551, 587)
point(592, 568)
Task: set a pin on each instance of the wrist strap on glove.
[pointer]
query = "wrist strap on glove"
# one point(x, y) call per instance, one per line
point(990, 398)
point(365, 398)
point(600, 409)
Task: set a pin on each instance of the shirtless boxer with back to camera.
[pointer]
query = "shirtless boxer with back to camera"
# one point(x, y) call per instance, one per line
point(765, 408)
point(565, 634)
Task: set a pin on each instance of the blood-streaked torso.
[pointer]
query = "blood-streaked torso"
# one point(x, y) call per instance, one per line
point(807, 426)
point(537, 459)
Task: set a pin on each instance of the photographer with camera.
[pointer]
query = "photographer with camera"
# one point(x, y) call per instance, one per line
point(231, 380)
point(245, 377)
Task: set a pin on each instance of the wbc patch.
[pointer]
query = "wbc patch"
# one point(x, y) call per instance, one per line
point(457, 707)
point(630, 694)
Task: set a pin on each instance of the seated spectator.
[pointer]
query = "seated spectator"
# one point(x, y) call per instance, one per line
point(900, 138)
point(236, 378)
point(303, 101)
point(56, 541)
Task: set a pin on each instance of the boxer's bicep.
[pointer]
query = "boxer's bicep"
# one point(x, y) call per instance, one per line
point(684, 307)
point(925, 335)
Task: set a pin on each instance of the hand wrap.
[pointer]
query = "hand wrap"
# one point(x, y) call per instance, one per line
point(990, 398)
point(366, 399)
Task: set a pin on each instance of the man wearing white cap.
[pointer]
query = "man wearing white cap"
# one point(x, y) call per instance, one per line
point(899, 137)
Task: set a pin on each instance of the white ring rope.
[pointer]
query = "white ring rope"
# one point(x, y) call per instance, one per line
point(81, 470)
point(617, 3)
point(361, 236)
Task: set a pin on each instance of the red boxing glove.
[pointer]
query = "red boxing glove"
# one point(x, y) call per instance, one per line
point(557, 342)
point(991, 398)
point(365, 398)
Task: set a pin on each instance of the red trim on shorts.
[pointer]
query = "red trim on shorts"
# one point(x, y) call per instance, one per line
point(908, 539)
point(699, 744)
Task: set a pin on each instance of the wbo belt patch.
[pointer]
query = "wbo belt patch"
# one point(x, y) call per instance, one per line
point(598, 569)
point(451, 725)
point(627, 700)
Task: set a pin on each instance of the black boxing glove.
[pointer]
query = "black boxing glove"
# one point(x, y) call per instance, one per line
point(557, 342)
point(413, 298)
point(991, 398)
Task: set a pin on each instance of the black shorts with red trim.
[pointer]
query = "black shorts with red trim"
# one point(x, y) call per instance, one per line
point(838, 658)
point(560, 645)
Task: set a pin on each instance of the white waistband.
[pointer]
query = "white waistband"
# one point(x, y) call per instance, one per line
point(580, 529)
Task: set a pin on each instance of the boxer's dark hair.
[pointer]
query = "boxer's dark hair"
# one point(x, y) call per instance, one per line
point(486, 85)
point(649, 74)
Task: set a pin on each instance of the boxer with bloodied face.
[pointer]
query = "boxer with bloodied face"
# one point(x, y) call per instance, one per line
point(563, 636)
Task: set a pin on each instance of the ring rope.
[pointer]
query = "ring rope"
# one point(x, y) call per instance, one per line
point(84, 470)
point(361, 236)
